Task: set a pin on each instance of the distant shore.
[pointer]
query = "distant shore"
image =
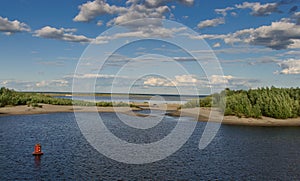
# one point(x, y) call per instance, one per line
point(200, 114)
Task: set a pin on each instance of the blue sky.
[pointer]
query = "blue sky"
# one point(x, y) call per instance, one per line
point(257, 44)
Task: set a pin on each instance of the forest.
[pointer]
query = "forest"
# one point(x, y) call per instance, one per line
point(10, 97)
point(279, 103)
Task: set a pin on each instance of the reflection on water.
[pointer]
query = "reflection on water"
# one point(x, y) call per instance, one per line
point(236, 153)
point(37, 161)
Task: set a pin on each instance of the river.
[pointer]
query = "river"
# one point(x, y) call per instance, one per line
point(236, 153)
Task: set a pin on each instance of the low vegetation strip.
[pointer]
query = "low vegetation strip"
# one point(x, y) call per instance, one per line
point(12, 98)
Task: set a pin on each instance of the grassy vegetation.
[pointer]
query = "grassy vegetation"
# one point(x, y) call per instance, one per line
point(280, 103)
point(12, 98)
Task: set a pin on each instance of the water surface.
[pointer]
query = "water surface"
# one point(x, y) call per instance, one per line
point(236, 153)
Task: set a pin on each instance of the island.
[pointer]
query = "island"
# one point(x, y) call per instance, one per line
point(254, 107)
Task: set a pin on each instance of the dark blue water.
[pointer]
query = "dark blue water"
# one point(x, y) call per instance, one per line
point(236, 153)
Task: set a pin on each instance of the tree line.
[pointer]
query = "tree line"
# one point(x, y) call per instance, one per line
point(10, 97)
point(280, 103)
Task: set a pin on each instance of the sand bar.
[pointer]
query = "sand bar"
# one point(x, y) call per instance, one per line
point(200, 114)
point(46, 108)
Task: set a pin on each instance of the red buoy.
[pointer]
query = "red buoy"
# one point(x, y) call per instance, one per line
point(37, 150)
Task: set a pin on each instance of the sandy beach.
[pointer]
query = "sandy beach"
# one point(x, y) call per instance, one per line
point(233, 120)
point(46, 108)
point(200, 114)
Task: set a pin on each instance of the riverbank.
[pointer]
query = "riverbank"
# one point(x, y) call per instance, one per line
point(200, 114)
point(47, 108)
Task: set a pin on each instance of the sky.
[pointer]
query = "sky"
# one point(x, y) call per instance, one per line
point(184, 46)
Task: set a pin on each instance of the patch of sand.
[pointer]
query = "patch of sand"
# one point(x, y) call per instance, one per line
point(202, 114)
point(46, 108)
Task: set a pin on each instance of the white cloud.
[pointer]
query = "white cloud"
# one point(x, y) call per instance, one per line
point(99, 23)
point(142, 32)
point(211, 23)
point(186, 79)
point(259, 9)
point(290, 66)
point(52, 83)
point(233, 82)
point(291, 53)
point(208, 36)
point(61, 34)
point(223, 11)
point(152, 13)
point(148, 9)
point(218, 79)
point(136, 10)
point(155, 81)
point(216, 45)
point(44, 85)
point(178, 80)
point(10, 27)
point(233, 14)
point(92, 9)
point(278, 35)
point(91, 76)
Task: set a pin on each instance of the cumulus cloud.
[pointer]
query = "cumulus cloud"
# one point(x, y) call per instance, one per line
point(137, 9)
point(290, 66)
point(259, 9)
point(138, 12)
point(156, 81)
point(178, 80)
point(278, 35)
point(92, 9)
point(10, 27)
point(152, 12)
point(211, 23)
point(61, 34)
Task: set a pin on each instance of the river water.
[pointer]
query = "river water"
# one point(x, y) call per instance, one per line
point(236, 153)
